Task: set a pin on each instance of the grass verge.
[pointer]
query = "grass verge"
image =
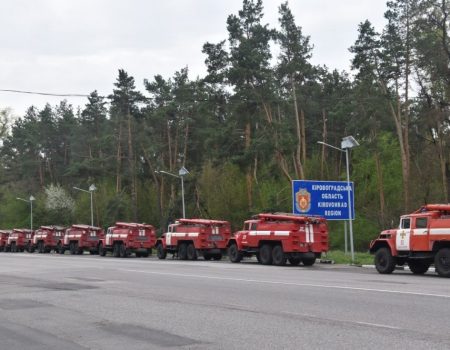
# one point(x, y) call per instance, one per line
point(339, 257)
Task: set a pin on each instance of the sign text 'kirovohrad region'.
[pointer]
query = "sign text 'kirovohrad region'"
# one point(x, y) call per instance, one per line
point(325, 198)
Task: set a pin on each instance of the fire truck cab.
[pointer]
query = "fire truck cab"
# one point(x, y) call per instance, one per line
point(276, 238)
point(4, 234)
point(126, 238)
point(48, 238)
point(79, 238)
point(421, 239)
point(190, 238)
point(19, 240)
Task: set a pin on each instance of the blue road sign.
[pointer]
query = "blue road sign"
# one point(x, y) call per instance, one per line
point(325, 198)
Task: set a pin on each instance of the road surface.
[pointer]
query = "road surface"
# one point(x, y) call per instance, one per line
point(89, 302)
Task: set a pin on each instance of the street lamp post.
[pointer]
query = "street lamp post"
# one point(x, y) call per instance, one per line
point(30, 200)
point(91, 190)
point(181, 174)
point(347, 143)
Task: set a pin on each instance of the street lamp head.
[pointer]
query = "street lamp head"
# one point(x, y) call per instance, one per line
point(183, 171)
point(92, 188)
point(349, 142)
point(32, 198)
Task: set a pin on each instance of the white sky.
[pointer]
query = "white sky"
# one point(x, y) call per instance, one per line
point(77, 46)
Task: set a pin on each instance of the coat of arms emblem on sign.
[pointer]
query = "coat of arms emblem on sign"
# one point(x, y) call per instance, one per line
point(303, 200)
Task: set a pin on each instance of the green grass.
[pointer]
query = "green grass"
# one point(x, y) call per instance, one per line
point(339, 257)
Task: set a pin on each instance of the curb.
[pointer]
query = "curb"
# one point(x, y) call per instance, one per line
point(399, 268)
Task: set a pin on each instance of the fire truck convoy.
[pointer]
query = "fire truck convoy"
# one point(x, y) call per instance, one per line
point(191, 238)
point(277, 238)
point(124, 239)
point(80, 238)
point(421, 239)
point(48, 238)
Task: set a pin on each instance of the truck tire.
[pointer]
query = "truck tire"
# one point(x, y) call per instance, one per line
point(207, 256)
point(384, 261)
point(73, 251)
point(116, 252)
point(182, 251)
point(278, 256)
point(13, 247)
point(233, 253)
point(101, 250)
point(161, 252)
point(191, 252)
point(123, 251)
point(78, 250)
point(59, 248)
point(418, 266)
point(265, 254)
point(442, 262)
point(308, 261)
point(294, 261)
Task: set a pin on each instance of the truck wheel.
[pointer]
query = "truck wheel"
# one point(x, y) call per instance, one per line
point(116, 252)
point(442, 262)
point(384, 261)
point(278, 257)
point(294, 261)
point(160, 251)
point(191, 252)
point(101, 250)
point(308, 261)
point(265, 254)
point(217, 257)
point(233, 253)
point(123, 251)
point(418, 267)
point(207, 256)
point(13, 247)
point(72, 248)
point(59, 248)
point(78, 250)
point(182, 251)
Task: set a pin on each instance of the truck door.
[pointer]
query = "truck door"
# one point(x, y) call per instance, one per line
point(420, 234)
point(402, 238)
point(169, 235)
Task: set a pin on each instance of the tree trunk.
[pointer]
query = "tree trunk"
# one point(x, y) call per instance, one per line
point(380, 185)
point(248, 176)
point(119, 160)
point(132, 165)
point(302, 123)
point(298, 152)
point(324, 139)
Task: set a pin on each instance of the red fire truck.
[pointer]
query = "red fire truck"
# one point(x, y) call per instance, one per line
point(20, 240)
point(190, 238)
point(275, 238)
point(4, 234)
point(421, 239)
point(47, 238)
point(126, 238)
point(79, 238)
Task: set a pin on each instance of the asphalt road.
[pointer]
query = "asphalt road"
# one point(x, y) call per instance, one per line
point(89, 302)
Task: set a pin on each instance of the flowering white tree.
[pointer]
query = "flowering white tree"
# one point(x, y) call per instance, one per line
point(58, 199)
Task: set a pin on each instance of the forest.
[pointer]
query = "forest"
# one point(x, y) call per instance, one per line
point(247, 129)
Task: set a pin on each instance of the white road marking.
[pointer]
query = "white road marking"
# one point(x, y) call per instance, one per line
point(312, 285)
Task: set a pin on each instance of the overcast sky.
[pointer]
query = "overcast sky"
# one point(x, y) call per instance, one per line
point(77, 46)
